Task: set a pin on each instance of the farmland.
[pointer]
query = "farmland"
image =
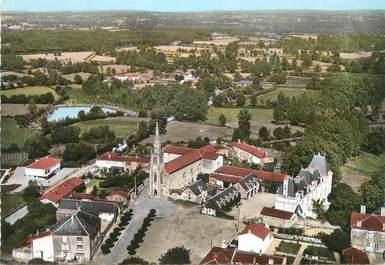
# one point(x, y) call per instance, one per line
point(257, 115)
point(121, 128)
point(12, 133)
point(287, 92)
point(30, 91)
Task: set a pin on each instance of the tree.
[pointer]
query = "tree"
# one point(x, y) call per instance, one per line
point(134, 260)
point(376, 141)
point(264, 133)
point(177, 255)
point(372, 192)
point(253, 100)
point(207, 83)
point(31, 192)
point(319, 209)
point(244, 118)
point(343, 201)
point(32, 106)
point(336, 241)
point(78, 79)
point(222, 120)
point(241, 100)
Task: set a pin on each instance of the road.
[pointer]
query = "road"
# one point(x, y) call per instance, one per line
point(141, 206)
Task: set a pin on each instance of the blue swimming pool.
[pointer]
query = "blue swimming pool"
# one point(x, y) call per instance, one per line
point(71, 112)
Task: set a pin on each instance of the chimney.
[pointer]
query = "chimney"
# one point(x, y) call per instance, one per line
point(267, 226)
point(239, 141)
point(382, 211)
point(109, 156)
point(254, 260)
point(271, 260)
point(285, 188)
point(359, 223)
point(363, 209)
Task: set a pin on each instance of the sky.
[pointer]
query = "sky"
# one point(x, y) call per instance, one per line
point(188, 5)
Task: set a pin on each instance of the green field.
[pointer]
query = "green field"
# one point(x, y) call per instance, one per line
point(10, 203)
point(257, 115)
point(11, 133)
point(287, 92)
point(364, 164)
point(30, 91)
point(121, 128)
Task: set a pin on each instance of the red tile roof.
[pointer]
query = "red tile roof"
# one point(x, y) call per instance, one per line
point(44, 163)
point(210, 156)
point(30, 238)
point(178, 150)
point(234, 171)
point(243, 172)
point(111, 156)
point(120, 193)
point(355, 256)
point(207, 149)
point(219, 255)
point(272, 212)
point(138, 159)
point(250, 149)
point(63, 189)
point(182, 161)
point(259, 230)
point(369, 222)
point(273, 176)
point(225, 178)
point(83, 196)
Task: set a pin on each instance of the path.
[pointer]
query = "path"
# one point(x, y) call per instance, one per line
point(141, 207)
point(298, 258)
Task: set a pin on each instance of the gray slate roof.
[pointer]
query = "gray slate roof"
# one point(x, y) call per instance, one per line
point(197, 187)
point(90, 207)
point(319, 161)
point(79, 224)
point(221, 199)
point(249, 182)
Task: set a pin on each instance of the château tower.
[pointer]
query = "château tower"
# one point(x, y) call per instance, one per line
point(156, 166)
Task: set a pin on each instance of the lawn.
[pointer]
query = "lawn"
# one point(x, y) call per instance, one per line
point(30, 91)
point(287, 92)
point(289, 248)
point(319, 252)
point(122, 128)
point(12, 133)
point(10, 203)
point(257, 115)
point(364, 163)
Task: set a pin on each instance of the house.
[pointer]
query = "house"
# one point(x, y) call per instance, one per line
point(243, 83)
point(220, 200)
point(355, 256)
point(73, 239)
point(106, 211)
point(314, 183)
point(277, 217)
point(175, 167)
point(219, 255)
point(255, 238)
point(275, 51)
point(42, 169)
point(61, 191)
point(134, 77)
point(110, 160)
point(247, 186)
point(368, 231)
point(119, 196)
point(194, 192)
point(249, 153)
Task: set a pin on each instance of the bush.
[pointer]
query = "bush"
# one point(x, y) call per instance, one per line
point(177, 255)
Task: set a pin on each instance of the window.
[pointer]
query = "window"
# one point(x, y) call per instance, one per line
point(80, 247)
point(79, 239)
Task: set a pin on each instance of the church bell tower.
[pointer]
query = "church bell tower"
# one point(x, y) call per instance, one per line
point(156, 166)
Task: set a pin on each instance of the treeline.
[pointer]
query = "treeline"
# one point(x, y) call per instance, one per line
point(348, 43)
point(179, 101)
point(98, 40)
point(146, 59)
point(335, 122)
point(46, 98)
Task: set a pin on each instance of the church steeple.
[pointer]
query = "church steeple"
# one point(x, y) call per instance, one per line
point(156, 166)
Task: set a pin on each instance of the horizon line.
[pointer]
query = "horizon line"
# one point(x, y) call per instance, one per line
point(193, 11)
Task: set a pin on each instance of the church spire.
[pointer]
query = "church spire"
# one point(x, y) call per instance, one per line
point(157, 140)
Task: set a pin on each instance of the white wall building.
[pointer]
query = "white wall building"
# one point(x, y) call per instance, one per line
point(42, 169)
point(249, 153)
point(255, 238)
point(313, 183)
point(42, 247)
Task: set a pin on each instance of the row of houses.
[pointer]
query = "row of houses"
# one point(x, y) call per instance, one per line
point(80, 227)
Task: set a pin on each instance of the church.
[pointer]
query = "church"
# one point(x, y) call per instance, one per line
point(175, 167)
